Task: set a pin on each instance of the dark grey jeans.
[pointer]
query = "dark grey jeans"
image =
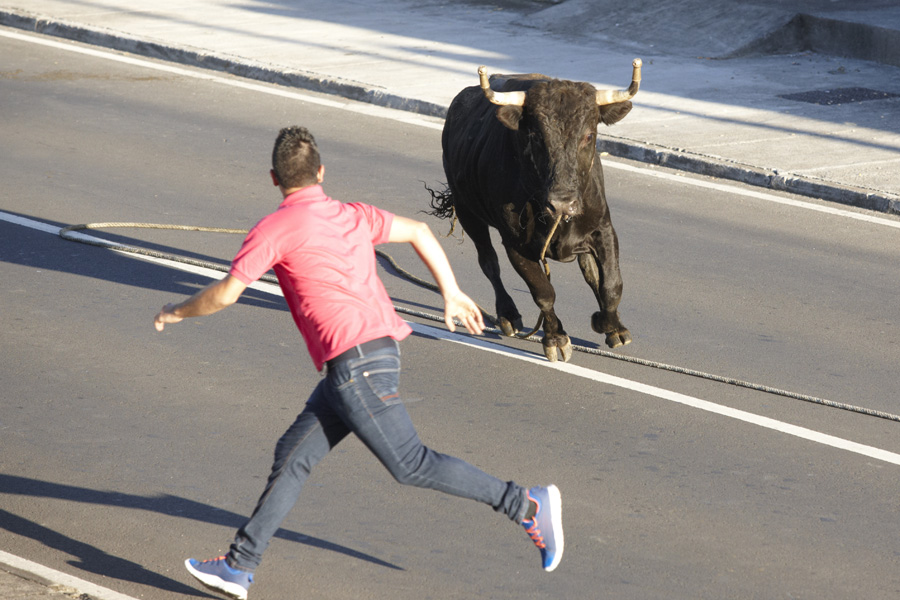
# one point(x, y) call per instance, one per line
point(360, 395)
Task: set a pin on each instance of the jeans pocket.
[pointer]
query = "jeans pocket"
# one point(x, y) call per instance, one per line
point(381, 377)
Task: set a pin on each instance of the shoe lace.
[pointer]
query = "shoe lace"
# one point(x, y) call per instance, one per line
point(210, 560)
point(535, 533)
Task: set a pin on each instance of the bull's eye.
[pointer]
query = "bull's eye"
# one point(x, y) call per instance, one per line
point(588, 139)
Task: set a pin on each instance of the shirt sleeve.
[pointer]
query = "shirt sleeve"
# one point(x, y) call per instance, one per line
point(378, 220)
point(255, 257)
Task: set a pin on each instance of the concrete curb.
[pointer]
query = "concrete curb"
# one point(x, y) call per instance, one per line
point(678, 159)
point(829, 36)
point(53, 580)
point(770, 179)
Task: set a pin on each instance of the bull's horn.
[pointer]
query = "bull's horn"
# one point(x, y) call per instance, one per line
point(499, 98)
point(613, 96)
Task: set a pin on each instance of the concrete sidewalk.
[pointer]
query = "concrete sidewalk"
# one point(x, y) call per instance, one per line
point(807, 122)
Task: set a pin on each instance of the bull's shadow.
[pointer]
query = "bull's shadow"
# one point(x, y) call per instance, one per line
point(56, 254)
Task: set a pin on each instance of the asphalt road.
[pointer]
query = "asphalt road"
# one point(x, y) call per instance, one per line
point(124, 451)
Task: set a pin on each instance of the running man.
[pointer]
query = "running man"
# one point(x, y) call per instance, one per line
point(323, 254)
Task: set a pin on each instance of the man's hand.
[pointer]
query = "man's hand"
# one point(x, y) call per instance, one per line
point(456, 303)
point(165, 317)
point(209, 300)
point(463, 308)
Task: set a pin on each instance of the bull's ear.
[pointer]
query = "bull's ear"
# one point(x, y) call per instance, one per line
point(510, 116)
point(610, 114)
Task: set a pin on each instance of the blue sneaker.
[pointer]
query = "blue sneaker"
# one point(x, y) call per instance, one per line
point(217, 575)
point(545, 528)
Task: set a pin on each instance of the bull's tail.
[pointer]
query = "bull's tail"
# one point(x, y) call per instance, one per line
point(442, 206)
point(441, 203)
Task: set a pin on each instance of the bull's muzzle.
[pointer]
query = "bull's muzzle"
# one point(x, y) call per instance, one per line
point(565, 207)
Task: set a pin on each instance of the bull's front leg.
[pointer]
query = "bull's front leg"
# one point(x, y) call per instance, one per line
point(556, 343)
point(508, 318)
point(602, 274)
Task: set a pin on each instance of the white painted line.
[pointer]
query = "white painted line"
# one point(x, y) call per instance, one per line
point(272, 90)
point(432, 123)
point(649, 390)
point(40, 226)
point(60, 578)
point(211, 273)
point(598, 376)
point(752, 194)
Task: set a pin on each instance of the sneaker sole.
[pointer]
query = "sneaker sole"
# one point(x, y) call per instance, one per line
point(213, 582)
point(556, 521)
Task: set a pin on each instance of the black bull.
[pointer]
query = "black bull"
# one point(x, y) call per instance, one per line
point(520, 156)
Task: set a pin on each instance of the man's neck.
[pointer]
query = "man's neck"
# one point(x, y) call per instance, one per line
point(285, 192)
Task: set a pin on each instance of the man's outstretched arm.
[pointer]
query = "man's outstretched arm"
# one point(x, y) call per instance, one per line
point(211, 299)
point(456, 303)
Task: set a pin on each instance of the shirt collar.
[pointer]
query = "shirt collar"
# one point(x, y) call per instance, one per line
point(310, 192)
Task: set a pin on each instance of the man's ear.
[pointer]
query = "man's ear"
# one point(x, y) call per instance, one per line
point(320, 174)
point(510, 116)
point(274, 177)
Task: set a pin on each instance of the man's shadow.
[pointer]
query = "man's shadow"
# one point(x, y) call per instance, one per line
point(94, 560)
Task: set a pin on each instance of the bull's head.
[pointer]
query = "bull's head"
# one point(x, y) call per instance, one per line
point(557, 126)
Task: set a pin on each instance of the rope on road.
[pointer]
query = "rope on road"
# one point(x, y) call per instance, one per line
point(70, 233)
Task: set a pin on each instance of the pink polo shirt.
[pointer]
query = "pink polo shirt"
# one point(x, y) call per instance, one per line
point(323, 253)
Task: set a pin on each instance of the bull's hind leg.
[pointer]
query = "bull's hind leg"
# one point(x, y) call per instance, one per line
point(508, 318)
point(607, 287)
point(555, 341)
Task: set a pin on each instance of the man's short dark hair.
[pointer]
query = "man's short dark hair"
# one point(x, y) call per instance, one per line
point(295, 158)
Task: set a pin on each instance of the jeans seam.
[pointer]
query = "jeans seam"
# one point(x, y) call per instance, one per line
point(397, 459)
point(268, 493)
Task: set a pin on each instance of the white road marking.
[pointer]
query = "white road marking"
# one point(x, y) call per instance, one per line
point(729, 189)
point(211, 273)
point(598, 376)
point(270, 89)
point(649, 390)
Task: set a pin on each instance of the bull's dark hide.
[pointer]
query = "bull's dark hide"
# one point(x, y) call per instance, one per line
point(517, 169)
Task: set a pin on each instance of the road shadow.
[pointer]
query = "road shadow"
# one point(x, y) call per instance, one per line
point(69, 256)
point(28, 247)
point(93, 560)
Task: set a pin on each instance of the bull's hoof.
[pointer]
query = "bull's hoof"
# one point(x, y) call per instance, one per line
point(617, 339)
point(506, 327)
point(558, 347)
point(617, 335)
